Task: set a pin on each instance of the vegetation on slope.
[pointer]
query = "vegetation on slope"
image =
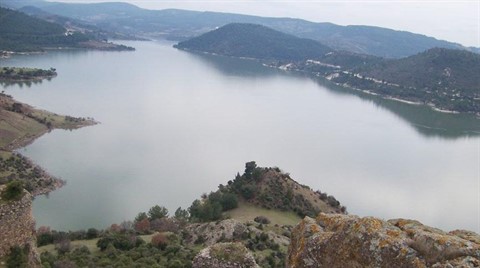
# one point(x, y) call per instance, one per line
point(255, 41)
point(20, 32)
point(443, 78)
point(268, 188)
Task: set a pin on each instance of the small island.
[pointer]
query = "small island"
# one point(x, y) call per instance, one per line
point(22, 74)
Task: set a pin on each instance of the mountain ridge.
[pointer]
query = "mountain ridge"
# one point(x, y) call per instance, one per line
point(178, 25)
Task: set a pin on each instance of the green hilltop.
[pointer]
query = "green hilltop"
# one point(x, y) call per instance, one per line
point(255, 41)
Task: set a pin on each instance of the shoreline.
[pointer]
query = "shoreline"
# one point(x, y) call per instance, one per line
point(291, 67)
point(42, 122)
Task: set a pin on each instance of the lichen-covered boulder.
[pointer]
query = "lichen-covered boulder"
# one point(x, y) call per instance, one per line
point(225, 255)
point(334, 240)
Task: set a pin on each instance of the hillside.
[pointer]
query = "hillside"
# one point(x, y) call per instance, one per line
point(267, 188)
point(445, 78)
point(434, 68)
point(75, 25)
point(179, 25)
point(255, 41)
point(20, 32)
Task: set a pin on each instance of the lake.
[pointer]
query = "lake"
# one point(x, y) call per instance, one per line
point(175, 125)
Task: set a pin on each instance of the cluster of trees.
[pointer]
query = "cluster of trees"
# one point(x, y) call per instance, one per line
point(211, 207)
point(158, 220)
point(17, 73)
point(119, 249)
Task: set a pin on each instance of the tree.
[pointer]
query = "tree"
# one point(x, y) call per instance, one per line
point(228, 201)
point(250, 168)
point(157, 212)
point(181, 214)
point(141, 216)
point(142, 226)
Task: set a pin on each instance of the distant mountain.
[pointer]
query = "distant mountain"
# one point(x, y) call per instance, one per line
point(74, 24)
point(182, 24)
point(20, 32)
point(255, 41)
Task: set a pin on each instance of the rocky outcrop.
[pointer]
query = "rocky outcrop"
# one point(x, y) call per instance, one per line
point(17, 227)
point(225, 255)
point(212, 232)
point(333, 240)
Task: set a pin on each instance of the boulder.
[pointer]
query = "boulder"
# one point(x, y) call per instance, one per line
point(225, 255)
point(335, 240)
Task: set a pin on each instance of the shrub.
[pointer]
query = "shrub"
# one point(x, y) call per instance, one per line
point(262, 219)
point(63, 246)
point(13, 191)
point(160, 241)
point(92, 233)
point(120, 241)
point(17, 258)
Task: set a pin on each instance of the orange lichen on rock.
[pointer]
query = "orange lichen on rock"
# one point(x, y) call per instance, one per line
point(351, 241)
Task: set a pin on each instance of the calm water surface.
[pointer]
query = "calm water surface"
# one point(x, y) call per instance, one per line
point(175, 125)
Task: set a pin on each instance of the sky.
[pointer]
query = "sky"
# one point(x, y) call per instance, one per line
point(455, 21)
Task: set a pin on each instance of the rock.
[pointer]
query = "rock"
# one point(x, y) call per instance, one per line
point(213, 232)
point(225, 255)
point(334, 240)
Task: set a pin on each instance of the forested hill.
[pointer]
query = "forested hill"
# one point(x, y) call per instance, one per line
point(446, 79)
point(20, 32)
point(255, 41)
point(433, 69)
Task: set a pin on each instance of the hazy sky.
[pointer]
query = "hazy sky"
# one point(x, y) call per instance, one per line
point(456, 21)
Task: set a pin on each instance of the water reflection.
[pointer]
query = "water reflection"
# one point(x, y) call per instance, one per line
point(22, 84)
point(426, 121)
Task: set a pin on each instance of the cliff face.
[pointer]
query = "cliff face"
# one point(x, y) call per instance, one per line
point(333, 240)
point(17, 227)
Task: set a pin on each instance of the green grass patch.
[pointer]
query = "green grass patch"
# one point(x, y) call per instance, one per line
point(247, 212)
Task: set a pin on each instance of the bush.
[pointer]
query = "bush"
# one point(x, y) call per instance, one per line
point(262, 219)
point(13, 191)
point(92, 233)
point(120, 241)
point(17, 258)
point(160, 241)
